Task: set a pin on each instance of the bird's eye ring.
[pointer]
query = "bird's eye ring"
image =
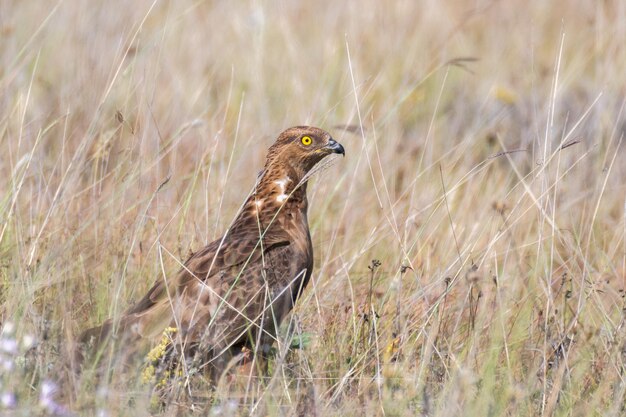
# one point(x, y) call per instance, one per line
point(306, 140)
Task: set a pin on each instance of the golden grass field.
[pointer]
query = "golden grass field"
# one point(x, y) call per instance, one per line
point(485, 172)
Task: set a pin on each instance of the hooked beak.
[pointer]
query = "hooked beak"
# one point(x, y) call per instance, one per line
point(335, 147)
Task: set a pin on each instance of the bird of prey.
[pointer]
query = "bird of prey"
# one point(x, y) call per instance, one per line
point(236, 291)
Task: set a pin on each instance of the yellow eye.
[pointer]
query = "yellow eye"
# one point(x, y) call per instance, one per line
point(306, 140)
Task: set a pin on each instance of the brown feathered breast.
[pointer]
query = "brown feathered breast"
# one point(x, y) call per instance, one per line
point(237, 290)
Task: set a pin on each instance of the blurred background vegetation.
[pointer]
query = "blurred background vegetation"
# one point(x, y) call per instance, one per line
point(485, 173)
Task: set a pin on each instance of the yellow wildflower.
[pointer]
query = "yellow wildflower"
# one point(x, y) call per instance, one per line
point(153, 357)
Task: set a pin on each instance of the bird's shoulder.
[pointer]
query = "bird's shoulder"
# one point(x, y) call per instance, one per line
point(243, 248)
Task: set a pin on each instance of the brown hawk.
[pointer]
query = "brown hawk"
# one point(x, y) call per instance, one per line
point(237, 290)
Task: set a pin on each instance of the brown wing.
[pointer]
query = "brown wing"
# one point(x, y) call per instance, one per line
point(225, 286)
point(243, 303)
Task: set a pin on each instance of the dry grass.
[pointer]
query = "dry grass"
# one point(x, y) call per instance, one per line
point(500, 289)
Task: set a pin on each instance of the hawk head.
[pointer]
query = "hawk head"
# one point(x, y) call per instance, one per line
point(300, 148)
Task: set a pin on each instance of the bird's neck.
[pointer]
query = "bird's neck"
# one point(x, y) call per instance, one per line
point(281, 188)
point(278, 193)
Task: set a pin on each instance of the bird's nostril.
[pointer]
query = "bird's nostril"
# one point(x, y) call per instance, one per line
point(331, 142)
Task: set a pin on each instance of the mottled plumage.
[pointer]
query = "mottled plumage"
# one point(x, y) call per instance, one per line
point(236, 291)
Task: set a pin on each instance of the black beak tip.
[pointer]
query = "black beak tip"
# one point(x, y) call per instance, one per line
point(336, 147)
